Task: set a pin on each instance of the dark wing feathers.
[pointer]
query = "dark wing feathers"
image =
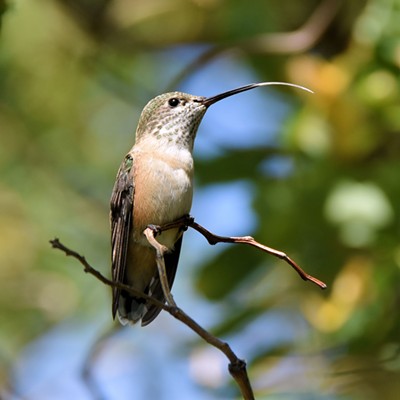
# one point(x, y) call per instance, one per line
point(121, 215)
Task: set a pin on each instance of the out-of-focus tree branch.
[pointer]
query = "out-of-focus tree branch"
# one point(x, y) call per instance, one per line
point(297, 41)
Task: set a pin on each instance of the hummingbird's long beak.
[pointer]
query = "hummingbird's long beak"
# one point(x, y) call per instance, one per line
point(211, 100)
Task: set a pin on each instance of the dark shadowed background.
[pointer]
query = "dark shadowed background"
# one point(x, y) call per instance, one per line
point(317, 176)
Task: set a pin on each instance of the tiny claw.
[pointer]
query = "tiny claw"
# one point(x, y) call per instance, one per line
point(155, 228)
point(188, 221)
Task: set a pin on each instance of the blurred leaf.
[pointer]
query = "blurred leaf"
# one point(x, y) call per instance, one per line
point(220, 276)
point(233, 165)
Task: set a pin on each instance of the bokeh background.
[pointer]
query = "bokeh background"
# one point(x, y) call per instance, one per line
point(317, 176)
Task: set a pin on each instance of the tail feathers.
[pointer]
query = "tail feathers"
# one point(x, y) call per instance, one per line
point(130, 309)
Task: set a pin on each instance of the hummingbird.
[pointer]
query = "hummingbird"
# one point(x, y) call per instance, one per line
point(154, 186)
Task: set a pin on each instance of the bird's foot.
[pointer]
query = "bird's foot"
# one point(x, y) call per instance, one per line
point(156, 229)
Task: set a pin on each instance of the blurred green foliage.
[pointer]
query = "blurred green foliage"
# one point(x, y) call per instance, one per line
point(73, 79)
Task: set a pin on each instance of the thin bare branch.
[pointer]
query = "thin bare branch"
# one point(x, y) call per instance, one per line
point(150, 232)
point(237, 367)
point(213, 239)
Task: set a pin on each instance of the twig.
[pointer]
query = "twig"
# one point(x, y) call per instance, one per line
point(214, 239)
point(237, 367)
point(150, 233)
point(188, 221)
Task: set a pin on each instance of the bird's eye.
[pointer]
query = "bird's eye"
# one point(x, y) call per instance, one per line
point(173, 102)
